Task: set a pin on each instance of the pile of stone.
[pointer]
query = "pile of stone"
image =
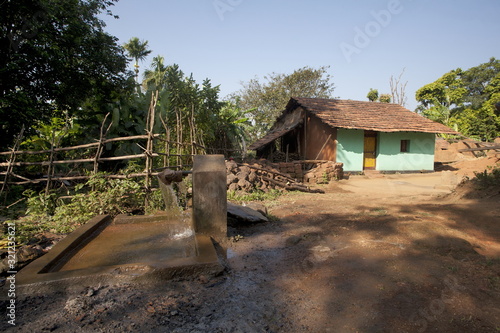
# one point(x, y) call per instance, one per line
point(264, 175)
point(323, 172)
point(253, 176)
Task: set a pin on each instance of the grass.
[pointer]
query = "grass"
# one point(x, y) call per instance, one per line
point(240, 197)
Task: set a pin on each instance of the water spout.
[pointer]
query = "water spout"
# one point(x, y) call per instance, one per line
point(166, 177)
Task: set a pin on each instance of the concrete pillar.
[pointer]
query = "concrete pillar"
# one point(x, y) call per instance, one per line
point(210, 196)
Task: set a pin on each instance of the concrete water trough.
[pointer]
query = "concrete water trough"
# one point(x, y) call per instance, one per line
point(141, 249)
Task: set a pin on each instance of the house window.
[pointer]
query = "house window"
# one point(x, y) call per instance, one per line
point(405, 146)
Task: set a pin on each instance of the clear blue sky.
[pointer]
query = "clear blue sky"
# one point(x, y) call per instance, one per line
point(363, 41)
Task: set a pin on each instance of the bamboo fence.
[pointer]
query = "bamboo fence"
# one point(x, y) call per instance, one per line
point(185, 151)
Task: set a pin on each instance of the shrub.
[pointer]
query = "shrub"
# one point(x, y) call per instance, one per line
point(487, 179)
point(109, 196)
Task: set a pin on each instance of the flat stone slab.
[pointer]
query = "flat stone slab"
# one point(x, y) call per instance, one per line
point(245, 214)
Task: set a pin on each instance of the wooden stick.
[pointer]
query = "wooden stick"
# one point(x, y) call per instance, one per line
point(88, 145)
point(51, 159)
point(101, 144)
point(292, 187)
point(495, 147)
point(83, 160)
point(327, 139)
point(12, 159)
point(269, 171)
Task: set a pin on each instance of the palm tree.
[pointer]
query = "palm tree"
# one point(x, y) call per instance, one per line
point(155, 77)
point(137, 50)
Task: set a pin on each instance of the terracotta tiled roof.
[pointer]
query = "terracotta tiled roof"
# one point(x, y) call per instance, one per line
point(373, 116)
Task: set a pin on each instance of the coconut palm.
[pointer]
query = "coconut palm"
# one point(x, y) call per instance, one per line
point(137, 50)
point(155, 78)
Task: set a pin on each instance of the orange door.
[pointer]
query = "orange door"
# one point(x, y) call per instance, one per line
point(369, 152)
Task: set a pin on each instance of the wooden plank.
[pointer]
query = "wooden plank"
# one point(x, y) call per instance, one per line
point(480, 148)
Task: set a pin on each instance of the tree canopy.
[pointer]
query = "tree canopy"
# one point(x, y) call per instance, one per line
point(54, 55)
point(466, 100)
point(372, 95)
point(265, 100)
point(137, 50)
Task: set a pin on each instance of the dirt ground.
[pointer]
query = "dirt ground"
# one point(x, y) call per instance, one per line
point(393, 253)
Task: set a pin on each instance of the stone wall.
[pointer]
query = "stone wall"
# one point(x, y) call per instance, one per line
point(264, 175)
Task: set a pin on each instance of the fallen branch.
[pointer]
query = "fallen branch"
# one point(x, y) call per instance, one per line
point(292, 187)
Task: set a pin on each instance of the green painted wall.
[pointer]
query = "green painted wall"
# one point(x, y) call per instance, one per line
point(350, 149)
point(420, 156)
point(389, 157)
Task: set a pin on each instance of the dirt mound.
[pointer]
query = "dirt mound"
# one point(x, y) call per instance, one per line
point(470, 189)
point(468, 168)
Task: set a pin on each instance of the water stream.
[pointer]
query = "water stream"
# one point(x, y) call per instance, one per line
point(174, 210)
point(170, 198)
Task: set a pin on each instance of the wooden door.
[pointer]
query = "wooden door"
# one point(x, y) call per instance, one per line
point(370, 151)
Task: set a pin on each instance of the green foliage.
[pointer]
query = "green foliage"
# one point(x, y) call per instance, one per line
point(237, 196)
point(479, 81)
point(137, 50)
point(446, 91)
point(54, 55)
point(489, 179)
point(465, 100)
point(110, 196)
point(481, 124)
point(53, 132)
point(265, 100)
point(372, 95)
point(385, 98)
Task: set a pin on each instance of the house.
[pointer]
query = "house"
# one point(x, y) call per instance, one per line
point(361, 135)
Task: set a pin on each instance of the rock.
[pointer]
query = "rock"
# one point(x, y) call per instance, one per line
point(245, 214)
point(243, 175)
point(26, 253)
point(245, 169)
point(231, 166)
point(258, 207)
point(244, 184)
point(293, 240)
point(252, 177)
point(233, 187)
point(231, 179)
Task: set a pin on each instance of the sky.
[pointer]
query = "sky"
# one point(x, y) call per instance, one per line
point(364, 42)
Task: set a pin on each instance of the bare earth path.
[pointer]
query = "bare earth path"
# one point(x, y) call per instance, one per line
point(388, 254)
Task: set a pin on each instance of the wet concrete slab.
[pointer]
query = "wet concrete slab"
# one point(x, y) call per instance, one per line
point(143, 249)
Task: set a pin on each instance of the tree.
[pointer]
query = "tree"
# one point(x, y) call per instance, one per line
point(155, 77)
point(372, 95)
point(398, 89)
point(441, 97)
point(267, 99)
point(54, 56)
point(476, 80)
point(137, 50)
point(385, 98)
point(466, 100)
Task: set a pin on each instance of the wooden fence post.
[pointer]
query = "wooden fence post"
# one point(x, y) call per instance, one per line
point(150, 123)
point(51, 160)
point(10, 166)
point(100, 146)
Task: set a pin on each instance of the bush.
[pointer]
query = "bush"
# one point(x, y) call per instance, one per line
point(487, 179)
point(109, 196)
